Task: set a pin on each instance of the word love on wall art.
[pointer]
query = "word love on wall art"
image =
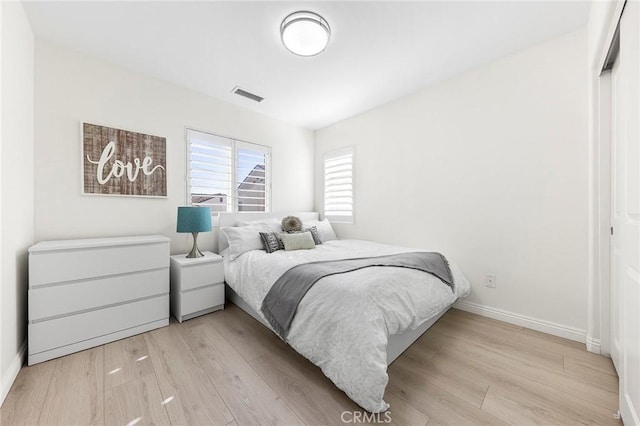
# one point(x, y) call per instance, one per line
point(119, 162)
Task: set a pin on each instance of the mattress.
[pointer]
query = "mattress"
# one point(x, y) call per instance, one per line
point(343, 323)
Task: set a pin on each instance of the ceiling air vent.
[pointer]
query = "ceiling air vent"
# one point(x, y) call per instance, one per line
point(238, 91)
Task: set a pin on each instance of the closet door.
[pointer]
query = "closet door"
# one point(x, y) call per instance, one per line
point(625, 249)
point(617, 126)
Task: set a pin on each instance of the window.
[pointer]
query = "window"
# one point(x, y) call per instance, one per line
point(338, 185)
point(228, 175)
point(251, 177)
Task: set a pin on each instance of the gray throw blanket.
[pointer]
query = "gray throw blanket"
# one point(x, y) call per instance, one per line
point(281, 303)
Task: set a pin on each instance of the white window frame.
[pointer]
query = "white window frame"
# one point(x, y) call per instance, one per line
point(235, 145)
point(332, 155)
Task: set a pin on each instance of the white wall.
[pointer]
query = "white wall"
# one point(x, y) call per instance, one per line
point(16, 185)
point(490, 168)
point(72, 87)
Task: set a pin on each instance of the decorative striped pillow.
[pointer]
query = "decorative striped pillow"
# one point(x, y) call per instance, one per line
point(298, 241)
point(271, 242)
point(315, 234)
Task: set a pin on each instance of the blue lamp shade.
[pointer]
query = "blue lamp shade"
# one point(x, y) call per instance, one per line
point(194, 219)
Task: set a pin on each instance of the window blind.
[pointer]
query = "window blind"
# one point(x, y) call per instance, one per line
point(338, 185)
point(210, 171)
point(252, 177)
point(228, 175)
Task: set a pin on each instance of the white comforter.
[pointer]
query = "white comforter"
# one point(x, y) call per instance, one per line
point(343, 323)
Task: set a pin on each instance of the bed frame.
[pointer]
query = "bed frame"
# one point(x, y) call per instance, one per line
point(398, 343)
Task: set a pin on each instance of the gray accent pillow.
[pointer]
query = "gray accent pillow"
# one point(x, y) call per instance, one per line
point(271, 242)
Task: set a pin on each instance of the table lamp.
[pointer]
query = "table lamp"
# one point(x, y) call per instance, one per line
point(194, 220)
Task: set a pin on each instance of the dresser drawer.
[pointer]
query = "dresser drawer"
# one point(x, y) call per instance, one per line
point(50, 267)
point(202, 298)
point(194, 276)
point(70, 298)
point(72, 329)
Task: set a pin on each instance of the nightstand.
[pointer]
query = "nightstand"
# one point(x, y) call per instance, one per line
point(197, 285)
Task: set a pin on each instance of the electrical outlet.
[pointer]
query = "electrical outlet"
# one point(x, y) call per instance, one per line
point(490, 281)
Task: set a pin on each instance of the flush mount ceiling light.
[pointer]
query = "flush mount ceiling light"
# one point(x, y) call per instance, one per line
point(305, 33)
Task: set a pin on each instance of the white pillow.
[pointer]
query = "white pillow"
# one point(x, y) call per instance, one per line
point(243, 239)
point(297, 241)
point(324, 229)
point(273, 223)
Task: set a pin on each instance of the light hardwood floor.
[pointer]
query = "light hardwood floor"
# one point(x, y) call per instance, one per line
point(227, 369)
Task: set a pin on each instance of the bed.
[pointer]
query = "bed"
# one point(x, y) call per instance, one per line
point(351, 325)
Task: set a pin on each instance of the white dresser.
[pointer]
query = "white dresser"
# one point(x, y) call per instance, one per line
point(84, 293)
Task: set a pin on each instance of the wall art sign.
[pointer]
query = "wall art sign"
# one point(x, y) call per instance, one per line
point(120, 162)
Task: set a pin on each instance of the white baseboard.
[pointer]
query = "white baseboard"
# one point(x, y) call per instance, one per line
point(593, 345)
point(548, 327)
point(10, 375)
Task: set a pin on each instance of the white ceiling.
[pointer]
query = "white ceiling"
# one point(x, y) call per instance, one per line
point(378, 51)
